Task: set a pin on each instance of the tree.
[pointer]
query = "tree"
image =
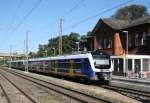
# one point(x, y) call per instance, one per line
point(131, 12)
point(74, 40)
point(89, 33)
point(52, 46)
point(69, 44)
point(41, 51)
point(32, 55)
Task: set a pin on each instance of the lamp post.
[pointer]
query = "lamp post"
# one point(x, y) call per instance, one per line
point(127, 42)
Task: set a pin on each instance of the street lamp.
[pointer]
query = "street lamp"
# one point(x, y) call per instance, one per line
point(127, 42)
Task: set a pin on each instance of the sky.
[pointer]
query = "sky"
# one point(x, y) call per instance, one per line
point(41, 19)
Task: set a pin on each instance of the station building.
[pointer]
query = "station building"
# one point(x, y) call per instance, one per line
point(127, 41)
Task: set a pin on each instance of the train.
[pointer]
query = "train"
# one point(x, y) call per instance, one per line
point(93, 66)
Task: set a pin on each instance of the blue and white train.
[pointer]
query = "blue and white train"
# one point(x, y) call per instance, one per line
point(90, 66)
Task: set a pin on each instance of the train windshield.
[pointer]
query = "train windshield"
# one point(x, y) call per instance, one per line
point(102, 59)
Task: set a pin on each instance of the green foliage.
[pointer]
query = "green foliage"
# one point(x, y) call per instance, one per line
point(69, 45)
point(41, 52)
point(32, 55)
point(131, 12)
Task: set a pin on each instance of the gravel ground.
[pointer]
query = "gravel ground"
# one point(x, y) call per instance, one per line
point(40, 94)
point(93, 90)
point(13, 93)
point(90, 89)
point(2, 97)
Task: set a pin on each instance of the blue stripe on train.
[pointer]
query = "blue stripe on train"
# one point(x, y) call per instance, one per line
point(87, 67)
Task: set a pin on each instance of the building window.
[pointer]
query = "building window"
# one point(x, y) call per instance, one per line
point(144, 39)
point(145, 64)
point(110, 42)
point(101, 43)
point(136, 40)
point(105, 43)
point(130, 41)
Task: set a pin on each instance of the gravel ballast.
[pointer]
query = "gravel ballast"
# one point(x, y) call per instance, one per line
point(89, 89)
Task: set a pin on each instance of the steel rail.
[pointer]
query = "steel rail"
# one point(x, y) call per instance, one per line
point(77, 95)
point(24, 93)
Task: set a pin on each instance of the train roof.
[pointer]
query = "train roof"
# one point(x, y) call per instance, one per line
point(63, 57)
point(76, 56)
point(17, 61)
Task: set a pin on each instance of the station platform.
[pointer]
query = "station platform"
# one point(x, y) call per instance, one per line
point(139, 84)
point(134, 80)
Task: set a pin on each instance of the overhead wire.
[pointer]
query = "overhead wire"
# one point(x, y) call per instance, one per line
point(23, 19)
point(93, 16)
point(27, 15)
point(73, 8)
point(12, 20)
point(15, 15)
point(100, 13)
point(69, 11)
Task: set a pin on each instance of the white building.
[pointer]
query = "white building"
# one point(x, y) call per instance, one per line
point(131, 65)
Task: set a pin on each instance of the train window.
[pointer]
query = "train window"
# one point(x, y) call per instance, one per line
point(63, 65)
point(48, 64)
point(98, 54)
point(66, 66)
point(78, 65)
point(74, 65)
point(53, 64)
point(60, 65)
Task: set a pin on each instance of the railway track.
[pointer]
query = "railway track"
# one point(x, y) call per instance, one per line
point(11, 93)
point(5, 94)
point(135, 94)
point(76, 95)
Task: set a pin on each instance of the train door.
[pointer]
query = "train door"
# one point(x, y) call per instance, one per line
point(16, 65)
point(44, 65)
point(56, 66)
point(71, 67)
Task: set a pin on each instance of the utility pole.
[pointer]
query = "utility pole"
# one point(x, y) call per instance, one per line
point(10, 58)
point(60, 38)
point(27, 57)
point(24, 50)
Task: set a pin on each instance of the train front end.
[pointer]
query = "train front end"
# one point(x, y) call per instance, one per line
point(102, 65)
